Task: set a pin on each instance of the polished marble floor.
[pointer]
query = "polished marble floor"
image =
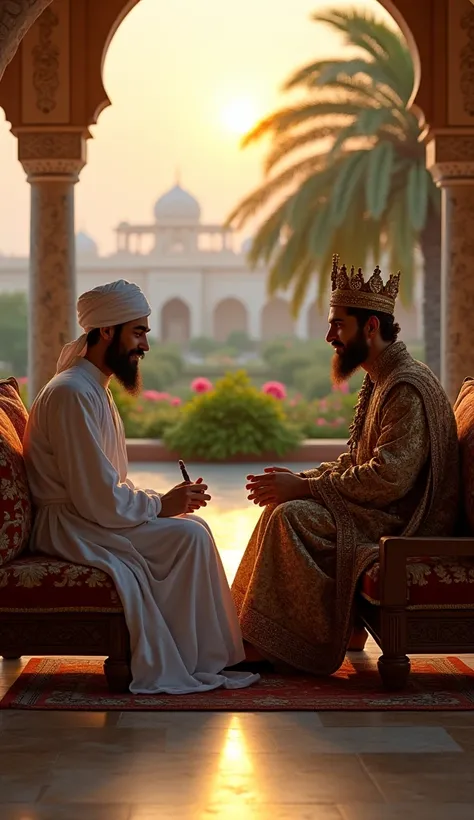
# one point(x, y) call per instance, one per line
point(216, 766)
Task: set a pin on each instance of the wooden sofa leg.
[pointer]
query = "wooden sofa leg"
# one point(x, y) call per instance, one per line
point(118, 674)
point(394, 671)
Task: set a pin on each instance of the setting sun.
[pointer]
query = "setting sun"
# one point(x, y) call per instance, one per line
point(239, 116)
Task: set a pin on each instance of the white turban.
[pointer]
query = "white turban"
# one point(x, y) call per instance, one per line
point(113, 304)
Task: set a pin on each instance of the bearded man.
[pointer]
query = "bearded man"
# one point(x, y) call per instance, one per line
point(294, 589)
point(182, 622)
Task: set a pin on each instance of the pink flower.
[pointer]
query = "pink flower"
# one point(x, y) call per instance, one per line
point(151, 395)
point(275, 389)
point(293, 403)
point(201, 385)
point(343, 387)
point(321, 422)
point(175, 401)
point(155, 395)
point(22, 380)
point(323, 405)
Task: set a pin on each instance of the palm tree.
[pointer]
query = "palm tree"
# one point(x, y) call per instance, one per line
point(347, 164)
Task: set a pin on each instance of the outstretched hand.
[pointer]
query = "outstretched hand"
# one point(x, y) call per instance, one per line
point(186, 497)
point(276, 485)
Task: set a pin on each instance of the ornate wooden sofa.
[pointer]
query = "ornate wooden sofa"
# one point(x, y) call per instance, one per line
point(50, 607)
point(412, 604)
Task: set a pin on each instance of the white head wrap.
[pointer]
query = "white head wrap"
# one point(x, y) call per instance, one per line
point(113, 304)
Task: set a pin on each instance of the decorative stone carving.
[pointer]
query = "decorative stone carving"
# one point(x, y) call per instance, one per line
point(16, 17)
point(450, 158)
point(52, 276)
point(467, 62)
point(52, 160)
point(46, 63)
point(458, 286)
point(52, 153)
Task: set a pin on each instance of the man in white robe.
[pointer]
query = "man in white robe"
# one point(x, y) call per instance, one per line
point(183, 626)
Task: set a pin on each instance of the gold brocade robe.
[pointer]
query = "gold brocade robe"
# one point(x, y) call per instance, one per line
point(295, 585)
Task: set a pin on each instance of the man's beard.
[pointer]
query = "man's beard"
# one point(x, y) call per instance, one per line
point(124, 368)
point(351, 357)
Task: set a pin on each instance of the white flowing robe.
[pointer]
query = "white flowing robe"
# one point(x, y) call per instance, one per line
point(182, 621)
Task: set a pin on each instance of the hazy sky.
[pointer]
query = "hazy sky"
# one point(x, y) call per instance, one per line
point(181, 77)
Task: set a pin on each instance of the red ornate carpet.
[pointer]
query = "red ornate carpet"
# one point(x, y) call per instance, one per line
point(435, 684)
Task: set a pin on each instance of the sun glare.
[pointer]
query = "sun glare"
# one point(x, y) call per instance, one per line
point(239, 116)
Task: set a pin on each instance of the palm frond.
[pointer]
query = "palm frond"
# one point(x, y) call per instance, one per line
point(305, 274)
point(418, 184)
point(347, 180)
point(385, 45)
point(380, 167)
point(284, 146)
point(287, 118)
point(260, 197)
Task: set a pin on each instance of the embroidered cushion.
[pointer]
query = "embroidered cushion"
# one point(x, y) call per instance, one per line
point(464, 412)
point(11, 403)
point(15, 500)
point(38, 583)
point(431, 583)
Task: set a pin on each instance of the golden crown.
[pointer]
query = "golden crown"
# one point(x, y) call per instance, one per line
point(351, 290)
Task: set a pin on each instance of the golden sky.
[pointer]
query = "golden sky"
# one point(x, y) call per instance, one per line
point(183, 79)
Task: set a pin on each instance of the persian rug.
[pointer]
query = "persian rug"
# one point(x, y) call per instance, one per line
point(69, 684)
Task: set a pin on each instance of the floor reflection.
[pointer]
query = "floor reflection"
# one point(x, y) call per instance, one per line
point(230, 516)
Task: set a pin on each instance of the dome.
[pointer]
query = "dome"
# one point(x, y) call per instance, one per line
point(177, 205)
point(85, 244)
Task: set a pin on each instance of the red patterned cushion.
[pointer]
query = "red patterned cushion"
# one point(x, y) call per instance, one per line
point(464, 412)
point(431, 582)
point(15, 501)
point(11, 403)
point(42, 584)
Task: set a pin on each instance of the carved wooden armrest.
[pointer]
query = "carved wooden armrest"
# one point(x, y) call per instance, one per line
point(393, 560)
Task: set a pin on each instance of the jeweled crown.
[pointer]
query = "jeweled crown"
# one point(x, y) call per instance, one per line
point(351, 290)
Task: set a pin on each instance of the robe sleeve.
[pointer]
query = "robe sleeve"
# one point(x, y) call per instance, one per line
point(342, 463)
point(90, 479)
point(129, 483)
point(400, 453)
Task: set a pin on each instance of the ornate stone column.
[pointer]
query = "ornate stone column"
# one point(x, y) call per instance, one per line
point(450, 158)
point(52, 161)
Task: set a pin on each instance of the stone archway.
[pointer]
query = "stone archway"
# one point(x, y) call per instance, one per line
point(230, 315)
point(277, 319)
point(440, 35)
point(175, 322)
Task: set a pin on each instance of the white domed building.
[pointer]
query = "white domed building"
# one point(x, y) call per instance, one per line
point(196, 279)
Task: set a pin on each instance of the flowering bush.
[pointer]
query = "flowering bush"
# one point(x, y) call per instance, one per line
point(233, 418)
point(275, 389)
point(324, 418)
point(201, 385)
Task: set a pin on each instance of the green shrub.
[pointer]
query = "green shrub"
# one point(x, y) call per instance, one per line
point(240, 341)
point(202, 346)
point(313, 381)
point(232, 419)
point(158, 375)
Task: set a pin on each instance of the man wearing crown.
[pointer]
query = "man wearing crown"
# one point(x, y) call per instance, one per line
point(295, 586)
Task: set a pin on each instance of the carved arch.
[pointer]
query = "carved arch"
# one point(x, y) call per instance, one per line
point(18, 16)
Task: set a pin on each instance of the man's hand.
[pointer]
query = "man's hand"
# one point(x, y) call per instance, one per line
point(184, 498)
point(276, 485)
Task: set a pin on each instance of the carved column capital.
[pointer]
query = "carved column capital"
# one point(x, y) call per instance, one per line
point(49, 155)
point(450, 157)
